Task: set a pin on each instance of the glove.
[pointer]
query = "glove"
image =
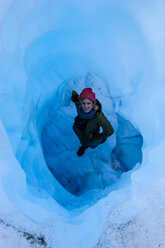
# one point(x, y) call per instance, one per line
point(74, 96)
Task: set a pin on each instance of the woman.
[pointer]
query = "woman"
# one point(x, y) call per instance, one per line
point(89, 120)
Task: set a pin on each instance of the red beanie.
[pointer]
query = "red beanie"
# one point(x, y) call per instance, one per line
point(89, 94)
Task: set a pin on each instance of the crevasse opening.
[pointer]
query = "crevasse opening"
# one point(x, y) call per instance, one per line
point(98, 168)
point(69, 179)
point(56, 57)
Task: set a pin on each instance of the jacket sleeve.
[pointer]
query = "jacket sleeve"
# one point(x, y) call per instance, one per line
point(106, 126)
point(75, 99)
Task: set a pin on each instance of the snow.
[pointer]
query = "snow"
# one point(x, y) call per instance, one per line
point(47, 49)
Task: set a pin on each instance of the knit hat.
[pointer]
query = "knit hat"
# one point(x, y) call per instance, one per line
point(89, 94)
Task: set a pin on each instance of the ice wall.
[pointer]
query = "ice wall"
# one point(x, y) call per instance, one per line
point(45, 44)
point(54, 51)
point(69, 43)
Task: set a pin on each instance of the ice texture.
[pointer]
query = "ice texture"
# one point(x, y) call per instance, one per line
point(47, 49)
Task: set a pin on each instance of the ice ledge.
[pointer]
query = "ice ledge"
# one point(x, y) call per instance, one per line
point(23, 214)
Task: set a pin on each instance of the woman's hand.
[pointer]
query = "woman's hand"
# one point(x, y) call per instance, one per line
point(74, 96)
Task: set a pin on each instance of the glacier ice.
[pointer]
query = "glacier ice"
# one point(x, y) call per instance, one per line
point(49, 48)
point(95, 170)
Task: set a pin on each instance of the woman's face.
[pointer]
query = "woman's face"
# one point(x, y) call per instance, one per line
point(86, 105)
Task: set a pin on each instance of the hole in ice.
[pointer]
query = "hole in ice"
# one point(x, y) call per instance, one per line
point(99, 167)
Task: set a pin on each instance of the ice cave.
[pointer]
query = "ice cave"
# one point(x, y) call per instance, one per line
point(54, 68)
point(47, 49)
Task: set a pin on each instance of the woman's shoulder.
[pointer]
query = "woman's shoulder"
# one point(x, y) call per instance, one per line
point(99, 113)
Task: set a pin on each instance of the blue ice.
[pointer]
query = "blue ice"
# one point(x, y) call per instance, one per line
point(64, 52)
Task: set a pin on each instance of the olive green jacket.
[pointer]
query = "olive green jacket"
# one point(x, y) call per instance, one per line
point(93, 126)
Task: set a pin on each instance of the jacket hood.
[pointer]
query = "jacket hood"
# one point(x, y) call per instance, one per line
point(98, 106)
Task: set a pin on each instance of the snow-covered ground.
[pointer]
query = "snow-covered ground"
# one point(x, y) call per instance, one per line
point(47, 49)
point(140, 221)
